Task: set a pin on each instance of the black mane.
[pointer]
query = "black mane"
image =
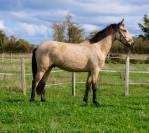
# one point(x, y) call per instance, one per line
point(103, 33)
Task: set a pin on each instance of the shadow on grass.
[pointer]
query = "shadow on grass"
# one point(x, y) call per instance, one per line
point(22, 101)
point(13, 100)
point(93, 105)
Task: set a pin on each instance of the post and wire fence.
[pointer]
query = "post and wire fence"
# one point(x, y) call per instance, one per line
point(23, 82)
point(127, 77)
point(126, 91)
point(23, 75)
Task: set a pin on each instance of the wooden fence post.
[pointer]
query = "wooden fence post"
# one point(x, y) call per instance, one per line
point(127, 76)
point(73, 83)
point(23, 82)
point(11, 58)
point(2, 57)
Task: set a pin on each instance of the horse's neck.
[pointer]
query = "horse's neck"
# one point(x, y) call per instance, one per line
point(106, 44)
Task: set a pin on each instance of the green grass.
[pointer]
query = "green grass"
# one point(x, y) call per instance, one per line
point(64, 113)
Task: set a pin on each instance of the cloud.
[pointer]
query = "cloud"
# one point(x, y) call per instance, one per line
point(20, 14)
point(31, 29)
point(32, 19)
point(2, 26)
point(27, 28)
point(35, 33)
point(89, 27)
point(114, 7)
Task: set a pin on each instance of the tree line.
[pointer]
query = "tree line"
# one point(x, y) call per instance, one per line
point(70, 32)
point(13, 45)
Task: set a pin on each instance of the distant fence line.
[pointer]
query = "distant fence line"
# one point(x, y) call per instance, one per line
point(24, 74)
point(111, 56)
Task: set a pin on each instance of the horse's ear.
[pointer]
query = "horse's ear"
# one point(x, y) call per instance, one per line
point(121, 22)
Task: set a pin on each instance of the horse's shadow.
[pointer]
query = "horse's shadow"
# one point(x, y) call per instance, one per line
point(13, 100)
point(100, 106)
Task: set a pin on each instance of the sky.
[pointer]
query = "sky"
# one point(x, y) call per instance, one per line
point(32, 19)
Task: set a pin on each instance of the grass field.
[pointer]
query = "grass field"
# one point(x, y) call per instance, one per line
point(65, 113)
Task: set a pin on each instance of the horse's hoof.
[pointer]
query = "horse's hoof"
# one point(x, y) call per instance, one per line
point(85, 100)
point(32, 100)
point(85, 103)
point(43, 100)
point(96, 103)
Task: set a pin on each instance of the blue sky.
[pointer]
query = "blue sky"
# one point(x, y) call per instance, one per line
point(32, 19)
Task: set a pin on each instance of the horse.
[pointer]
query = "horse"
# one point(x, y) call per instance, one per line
point(87, 56)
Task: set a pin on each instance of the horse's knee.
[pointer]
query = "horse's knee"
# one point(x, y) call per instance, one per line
point(94, 80)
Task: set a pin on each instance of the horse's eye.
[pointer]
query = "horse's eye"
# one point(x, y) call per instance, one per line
point(124, 31)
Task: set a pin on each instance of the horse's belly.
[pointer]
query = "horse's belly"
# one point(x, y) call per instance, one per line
point(76, 65)
point(71, 58)
point(73, 69)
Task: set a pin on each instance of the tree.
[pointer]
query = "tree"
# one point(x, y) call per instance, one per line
point(2, 40)
point(145, 27)
point(74, 33)
point(23, 46)
point(10, 44)
point(14, 45)
point(68, 31)
point(58, 30)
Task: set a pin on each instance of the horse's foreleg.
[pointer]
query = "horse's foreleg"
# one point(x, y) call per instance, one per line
point(88, 85)
point(94, 87)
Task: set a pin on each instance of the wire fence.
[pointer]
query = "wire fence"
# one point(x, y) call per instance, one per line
point(15, 72)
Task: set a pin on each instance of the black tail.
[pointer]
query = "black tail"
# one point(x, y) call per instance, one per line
point(34, 64)
point(34, 70)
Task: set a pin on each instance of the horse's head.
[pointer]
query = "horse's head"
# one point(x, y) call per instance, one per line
point(123, 35)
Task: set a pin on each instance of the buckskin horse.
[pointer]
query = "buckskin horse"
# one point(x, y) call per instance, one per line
point(88, 56)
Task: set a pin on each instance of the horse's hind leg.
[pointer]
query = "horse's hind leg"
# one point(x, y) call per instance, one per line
point(42, 84)
point(33, 91)
point(88, 85)
point(35, 82)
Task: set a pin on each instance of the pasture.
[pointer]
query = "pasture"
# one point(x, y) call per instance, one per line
point(64, 113)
